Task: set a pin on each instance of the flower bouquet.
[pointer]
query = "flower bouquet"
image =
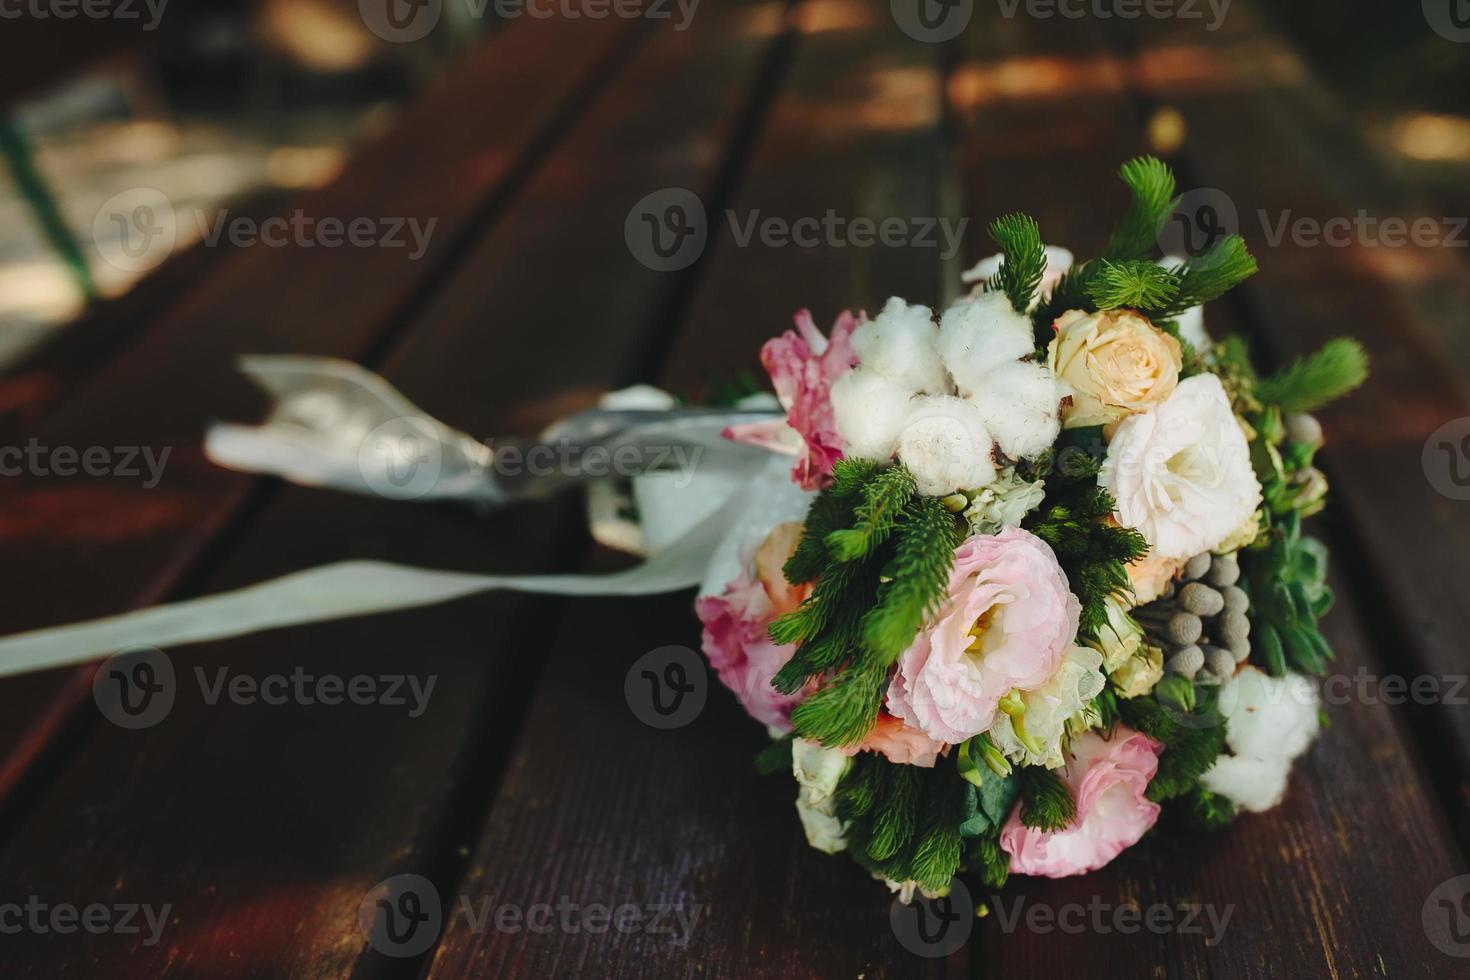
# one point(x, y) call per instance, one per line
point(1053, 577)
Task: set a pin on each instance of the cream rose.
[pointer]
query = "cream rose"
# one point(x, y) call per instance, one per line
point(1116, 362)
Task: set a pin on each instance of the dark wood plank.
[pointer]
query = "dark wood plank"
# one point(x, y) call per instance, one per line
point(267, 828)
point(598, 808)
point(117, 543)
point(1361, 817)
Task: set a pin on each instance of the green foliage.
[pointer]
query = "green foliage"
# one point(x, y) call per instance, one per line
point(775, 757)
point(992, 863)
point(884, 498)
point(1285, 577)
point(903, 821)
point(1023, 258)
point(1206, 810)
point(1152, 186)
point(844, 708)
point(1192, 731)
point(988, 799)
point(1046, 803)
point(917, 578)
point(1313, 381)
point(1207, 277)
point(1139, 285)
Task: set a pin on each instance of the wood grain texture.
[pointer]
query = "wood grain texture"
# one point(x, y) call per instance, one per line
point(599, 809)
point(265, 827)
point(88, 546)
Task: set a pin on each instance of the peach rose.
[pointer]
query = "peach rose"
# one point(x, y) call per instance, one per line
point(1117, 363)
point(899, 744)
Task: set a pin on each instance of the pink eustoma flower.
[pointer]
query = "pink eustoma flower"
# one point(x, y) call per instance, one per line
point(1107, 779)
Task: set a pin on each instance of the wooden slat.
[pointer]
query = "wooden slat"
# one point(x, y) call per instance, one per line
point(1360, 818)
point(82, 547)
point(599, 809)
point(266, 827)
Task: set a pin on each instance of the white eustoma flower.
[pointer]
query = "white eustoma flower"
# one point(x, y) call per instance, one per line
point(818, 770)
point(902, 344)
point(869, 411)
point(1048, 709)
point(946, 446)
point(1269, 722)
point(1004, 503)
point(1181, 472)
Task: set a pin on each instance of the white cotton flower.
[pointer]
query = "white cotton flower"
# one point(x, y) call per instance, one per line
point(1048, 710)
point(869, 411)
point(1021, 405)
point(1269, 722)
point(902, 344)
point(1181, 472)
point(1191, 322)
point(1004, 503)
point(944, 443)
point(818, 770)
point(978, 336)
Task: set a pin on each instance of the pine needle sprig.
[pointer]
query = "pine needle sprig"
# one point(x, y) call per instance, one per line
point(1139, 285)
point(1152, 185)
point(1046, 803)
point(918, 578)
point(1193, 739)
point(1023, 258)
point(884, 498)
point(1312, 381)
point(1209, 276)
point(844, 709)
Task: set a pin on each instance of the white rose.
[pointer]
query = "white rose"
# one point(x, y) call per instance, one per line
point(1181, 473)
point(945, 445)
point(902, 344)
point(1269, 722)
point(818, 770)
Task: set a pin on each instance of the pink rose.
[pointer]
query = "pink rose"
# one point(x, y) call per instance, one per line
point(1107, 779)
point(735, 639)
point(803, 364)
point(899, 744)
point(1008, 620)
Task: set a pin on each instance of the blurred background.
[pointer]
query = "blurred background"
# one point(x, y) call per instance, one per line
point(239, 104)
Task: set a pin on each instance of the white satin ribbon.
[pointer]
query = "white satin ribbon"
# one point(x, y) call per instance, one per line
point(697, 526)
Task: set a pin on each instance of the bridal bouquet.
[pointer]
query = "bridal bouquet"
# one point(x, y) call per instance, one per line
point(1053, 577)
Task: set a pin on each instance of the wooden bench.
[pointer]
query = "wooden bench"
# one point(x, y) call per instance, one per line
point(527, 780)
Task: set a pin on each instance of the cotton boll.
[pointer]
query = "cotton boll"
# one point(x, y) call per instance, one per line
point(1020, 404)
point(946, 445)
point(1252, 784)
point(869, 410)
point(1269, 722)
point(977, 336)
point(902, 344)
